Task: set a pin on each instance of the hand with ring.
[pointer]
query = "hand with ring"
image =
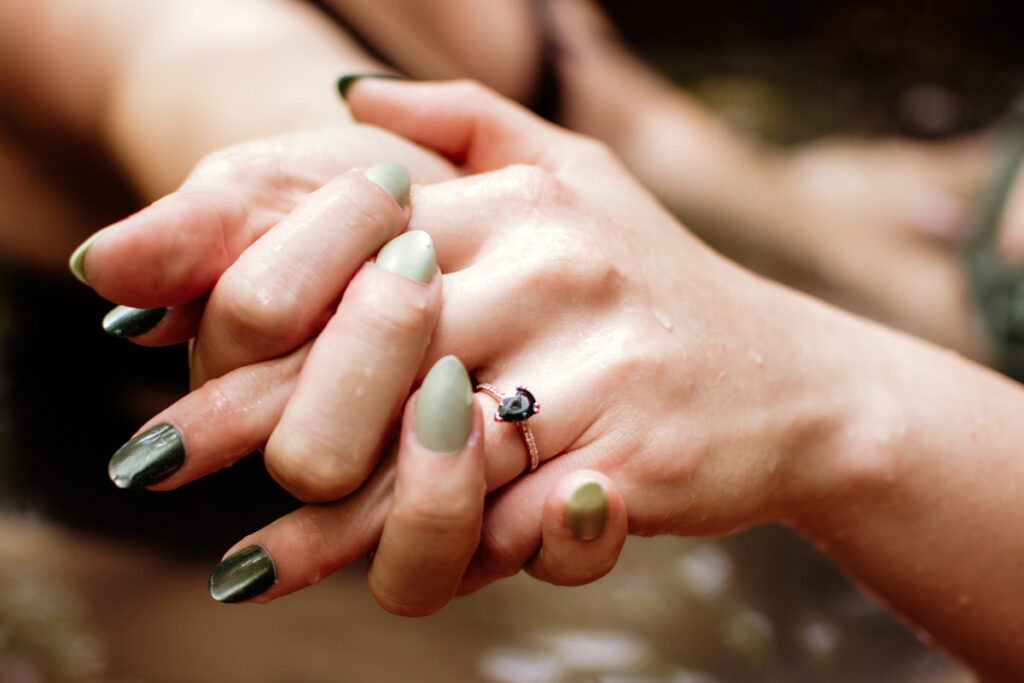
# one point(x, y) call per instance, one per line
point(709, 399)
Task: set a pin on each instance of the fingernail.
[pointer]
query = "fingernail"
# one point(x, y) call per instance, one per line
point(444, 407)
point(345, 82)
point(586, 511)
point(125, 321)
point(77, 259)
point(394, 178)
point(152, 456)
point(242, 575)
point(411, 254)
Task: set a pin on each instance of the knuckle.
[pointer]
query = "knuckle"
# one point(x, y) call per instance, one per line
point(451, 518)
point(237, 162)
point(533, 186)
point(385, 318)
point(496, 554)
point(310, 468)
point(251, 311)
point(570, 261)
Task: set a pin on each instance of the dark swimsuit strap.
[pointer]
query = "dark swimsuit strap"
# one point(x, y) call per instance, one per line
point(546, 99)
point(998, 288)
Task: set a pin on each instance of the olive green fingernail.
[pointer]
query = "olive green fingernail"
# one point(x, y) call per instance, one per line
point(411, 254)
point(345, 82)
point(242, 575)
point(394, 178)
point(586, 511)
point(77, 260)
point(444, 407)
point(149, 457)
point(125, 321)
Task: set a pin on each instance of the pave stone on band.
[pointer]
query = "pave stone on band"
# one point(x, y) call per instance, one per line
point(516, 407)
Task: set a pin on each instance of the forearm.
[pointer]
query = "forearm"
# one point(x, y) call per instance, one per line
point(921, 497)
point(161, 84)
point(214, 74)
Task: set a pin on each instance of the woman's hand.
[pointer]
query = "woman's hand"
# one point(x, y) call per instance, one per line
point(658, 363)
point(710, 399)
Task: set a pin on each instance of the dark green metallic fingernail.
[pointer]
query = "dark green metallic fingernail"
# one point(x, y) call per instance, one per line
point(586, 511)
point(345, 82)
point(125, 321)
point(243, 575)
point(149, 457)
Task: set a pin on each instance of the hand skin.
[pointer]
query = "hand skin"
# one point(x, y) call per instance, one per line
point(871, 225)
point(714, 400)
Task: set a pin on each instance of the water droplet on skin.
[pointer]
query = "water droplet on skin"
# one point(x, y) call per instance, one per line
point(756, 357)
point(663, 320)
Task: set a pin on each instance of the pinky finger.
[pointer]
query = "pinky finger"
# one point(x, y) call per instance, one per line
point(583, 530)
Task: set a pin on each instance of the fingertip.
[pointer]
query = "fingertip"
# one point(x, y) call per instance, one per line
point(584, 529)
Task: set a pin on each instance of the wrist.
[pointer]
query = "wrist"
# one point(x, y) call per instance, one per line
point(847, 443)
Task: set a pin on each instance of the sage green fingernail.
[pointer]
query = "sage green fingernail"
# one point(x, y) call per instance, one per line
point(411, 254)
point(149, 457)
point(345, 82)
point(125, 321)
point(444, 407)
point(77, 259)
point(586, 511)
point(394, 178)
point(242, 575)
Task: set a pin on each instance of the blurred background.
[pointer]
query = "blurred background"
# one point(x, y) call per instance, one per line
point(98, 584)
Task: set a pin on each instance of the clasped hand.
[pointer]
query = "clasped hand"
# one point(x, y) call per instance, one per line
point(665, 372)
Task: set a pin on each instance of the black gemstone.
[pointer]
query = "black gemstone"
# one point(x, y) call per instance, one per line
point(517, 407)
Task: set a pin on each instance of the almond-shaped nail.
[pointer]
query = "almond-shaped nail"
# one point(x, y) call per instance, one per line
point(393, 178)
point(126, 322)
point(586, 511)
point(444, 407)
point(77, 260)
point(411, 255)
point(346, 81)
point(242, 575)
point(147, 458)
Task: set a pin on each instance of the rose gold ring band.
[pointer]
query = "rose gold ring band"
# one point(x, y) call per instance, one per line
point(516, 407)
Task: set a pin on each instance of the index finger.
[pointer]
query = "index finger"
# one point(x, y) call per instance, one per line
point(462, 120)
